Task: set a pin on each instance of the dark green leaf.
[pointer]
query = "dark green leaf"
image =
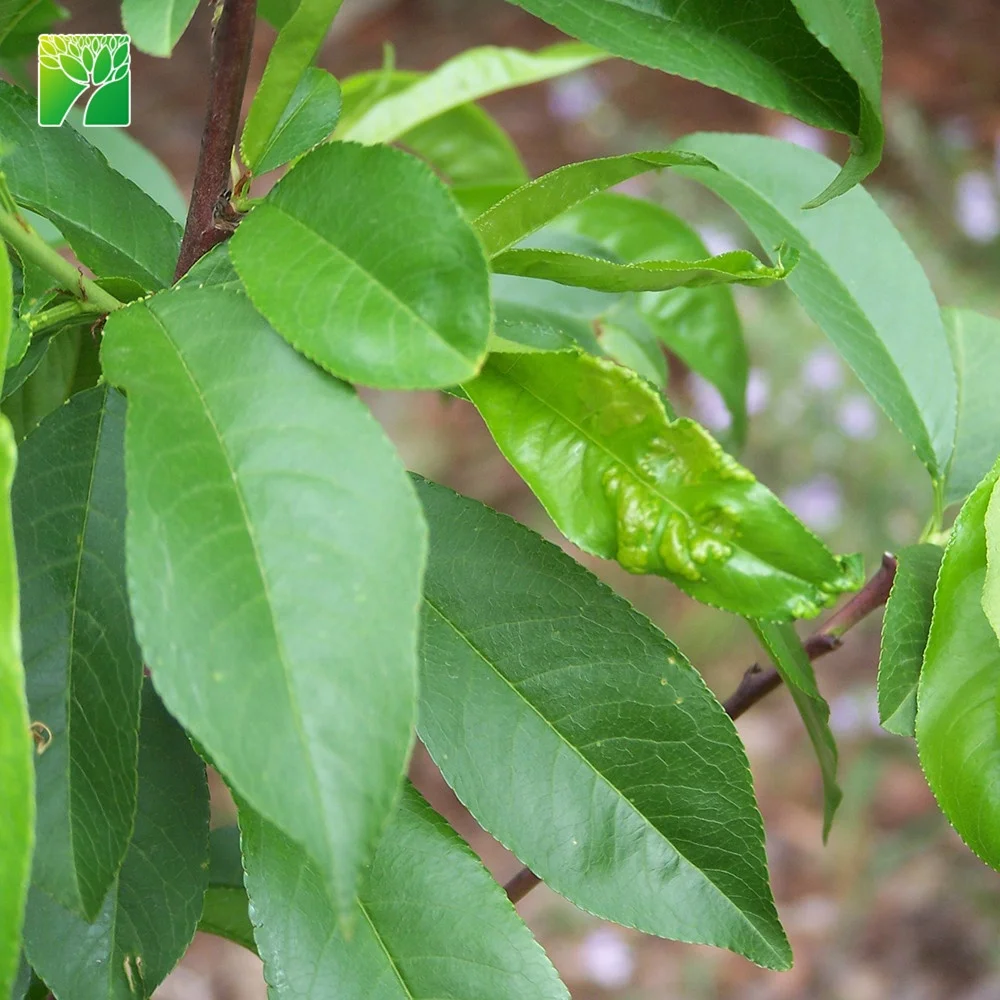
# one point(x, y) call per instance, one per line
point(958, 730)
point(975, 349)
point(49, 385)
point(623, 481)
point(529, 207)
point(83, 664)
point(214, 270)
point(308, 119)
point(580, 737)
point(15, 15)
point(156, 25)
point(275, 552)
point(700, 325)
point(15, 377)
point(856, 278)
point(904, 636)
point(789, 658)
point(22, 21)
point(430, 922)
point(16, 784)
point(151, 911)
point(298, 41)
point(112, 226)
point(735, 267)
point(818, 61)
point(467, 77)
point(393, 295)
point(226, 913)
point(277, 11)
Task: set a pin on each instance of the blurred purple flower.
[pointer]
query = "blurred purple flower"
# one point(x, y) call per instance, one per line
point(717, 240)
point(822, 370)
point(709, 407)
point(573, 98)
point(607, 958)
point(858, 418)
point(957, 133)
point(758, 391)
point(976, 209)
point(792, 130)
point(818, 503)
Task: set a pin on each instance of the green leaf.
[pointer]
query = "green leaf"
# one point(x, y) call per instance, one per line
point(16, 779)
point(523, 328)
point(156, 25)
point(623, 481)
point(790, 660)
point(22, 21)
point(226, 913)
point(214, 270)
point(430, 922)
point(277, 11)
point(974, 340)
point(272, 536)
point(855, 277)
point(151, 911)
point(464, 144)
point(395, 296)
point(14, 14)
point(818, 61)
point(734, 267)
point(83, 664)
point(308, 119)
point(958, 731)
point(293, 51)
point(531, 206)
point(112, 226)
point(580, 737)
point(467, 77)
point(904, 636)
point(45, 387)
point(700, 325)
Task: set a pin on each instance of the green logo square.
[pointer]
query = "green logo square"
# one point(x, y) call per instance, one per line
point(71, 66)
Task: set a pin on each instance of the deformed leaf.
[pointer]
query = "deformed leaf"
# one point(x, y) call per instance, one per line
point(868, 293)
point(113, 227)
point(467, 77)
point(529, 207)
point(389, 291)
point(83, 663)
point(151, 911)
point(974, 340)
point(958, 729)
point(789, 658)
point(735, 267)
point(580, 737)
point(904, 636)
point(623, 481)
point(275, 552)
point(155, 25)
point(430, 921)
point(309, 118)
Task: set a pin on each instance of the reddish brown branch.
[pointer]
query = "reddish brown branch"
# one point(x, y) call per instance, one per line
point(758, 682)
point(232, 40)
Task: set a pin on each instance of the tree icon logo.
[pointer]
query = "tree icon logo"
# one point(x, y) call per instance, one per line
point(71, 66)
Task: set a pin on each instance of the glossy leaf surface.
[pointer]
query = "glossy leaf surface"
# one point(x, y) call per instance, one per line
point(308, 119)
point(155, 25)
point(958, 729)
point(905, 628)
point(430, 921)
point(467, 77)
point(789, 658)
point(529, 207)
point(700, 325)
point(112, 226)
point(818, 61)
point(974, 340)
point(580, 737)
point(395, 296)
point(870, 296)
point(16, 779)
point(298, 41)
point(151, 911)
point(275, 551)
point(83, 663)
point(736, 267)
point(624, 481)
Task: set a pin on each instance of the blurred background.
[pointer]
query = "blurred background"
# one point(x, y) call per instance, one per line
point(893, 906)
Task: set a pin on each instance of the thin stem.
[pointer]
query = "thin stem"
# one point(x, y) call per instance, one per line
point(31, 247)
point(61, 315)
point(757, 682)
point(232, 40)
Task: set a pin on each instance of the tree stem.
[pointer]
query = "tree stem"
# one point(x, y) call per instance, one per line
point(232, 40)
point(757, 682)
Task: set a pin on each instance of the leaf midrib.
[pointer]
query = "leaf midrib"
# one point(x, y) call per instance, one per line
point(601, 776)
